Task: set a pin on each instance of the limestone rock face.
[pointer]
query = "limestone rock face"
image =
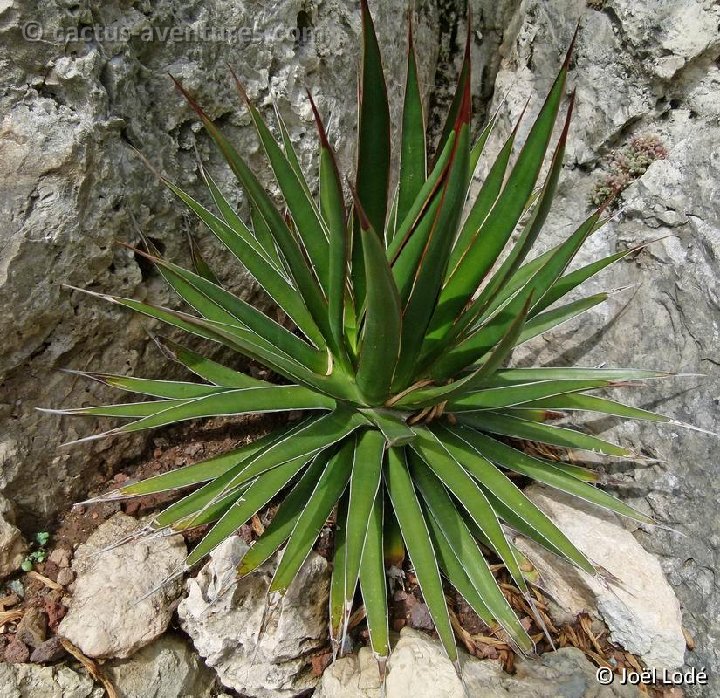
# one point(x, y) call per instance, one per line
point(84, 83)
point(122, 599)
point(224, 617)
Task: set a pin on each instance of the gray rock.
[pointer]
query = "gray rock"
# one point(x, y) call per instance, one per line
point(72, 185)
point(648, 67)
point(33, 681)
point(12, 544)
point(420, 668)
point(122, 599)
point(223, 616)
point(167, 668)
point(636, 602)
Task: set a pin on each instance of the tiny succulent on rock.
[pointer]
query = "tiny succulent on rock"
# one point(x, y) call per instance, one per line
point(405, 310)
point(625, 165)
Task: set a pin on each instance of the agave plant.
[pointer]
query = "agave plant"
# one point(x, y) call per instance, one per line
point(404, 313)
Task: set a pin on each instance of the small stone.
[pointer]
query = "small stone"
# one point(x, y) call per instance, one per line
point(17, 652)
point(55, 611)
point(34, 681)
point(32, 628)
point(65, 577)
point(420, 617)
point(50, 651)
point(122, 598)
point(61, 557)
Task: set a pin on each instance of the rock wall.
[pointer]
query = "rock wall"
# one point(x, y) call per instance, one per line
point(71, 110)
point(83, 84)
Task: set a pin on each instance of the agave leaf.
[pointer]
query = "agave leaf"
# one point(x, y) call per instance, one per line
point(290, 152)
point(516, 427)
point(406, 265)
point(509, 396)
point(515, 376)
point(373, 149)
point(128, 410)
point(232, 221)
point(214, 303)
point(243, 341)
point(202, 268)
point(517, 523)
point(417, 541)
point(481, 375)
point(285, 518)
point(262, 233)
point(487, 196)
point(413, 158)
point(364, 487)
point(550, 319)
point(332, 206)
point(407, 227)
point(264, 243)
point(461, 91)
point(517, 281)
point(301, 443)
point(310, 226)
point(174, 390)
point(466, 565)
point(452, 568)
point(278, 398)
point(207, 369)
point(216, 490)
point(337, 581)
point(213, 511)
point(487, 335)
point(380, 345)
point(307, 440)
point(373, 168)
point(391, 424)
point(546, 472)
point(592, 403)
point(373, 584)
point(454, 476)
point(328, 489)
point(569, 282)
point(479, 146)
point(194, 474)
